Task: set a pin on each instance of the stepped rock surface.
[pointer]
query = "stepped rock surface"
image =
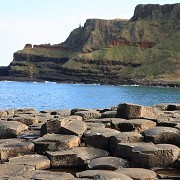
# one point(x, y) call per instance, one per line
point(101, 151)
point(142, 50)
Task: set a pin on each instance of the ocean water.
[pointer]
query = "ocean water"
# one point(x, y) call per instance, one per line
point(49, 95)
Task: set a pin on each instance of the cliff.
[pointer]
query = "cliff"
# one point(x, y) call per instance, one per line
point(144, 48)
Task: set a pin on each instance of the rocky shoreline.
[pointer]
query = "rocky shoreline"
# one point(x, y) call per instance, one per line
point(142, 82)
point(128, 141)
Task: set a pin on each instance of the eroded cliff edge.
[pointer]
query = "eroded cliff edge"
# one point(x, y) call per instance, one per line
point(144, 49)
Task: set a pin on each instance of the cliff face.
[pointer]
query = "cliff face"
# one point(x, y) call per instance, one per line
point(156, 11)
point(110, 51)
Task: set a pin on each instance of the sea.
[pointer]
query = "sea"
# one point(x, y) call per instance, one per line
point(55, 96)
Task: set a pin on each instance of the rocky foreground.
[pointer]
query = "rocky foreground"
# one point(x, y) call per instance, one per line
point(123, 143)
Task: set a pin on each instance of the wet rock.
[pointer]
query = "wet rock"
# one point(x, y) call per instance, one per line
point(35, 160)
point(11, 129)
point(55, 142)
point(12, 171)
point(125, 137)
point(29, 134)
point(108, 163)
point(134, 111)
point(102, 174)
point(91, 114)
point(14, 147)
point(99, 137)
point(108, 114)
point(78, 156)
point(160, 134)
point(136, 125)
point(138, 173)
point(74, 127)
point(153, 156)
point(25, 119)
point(42, 174)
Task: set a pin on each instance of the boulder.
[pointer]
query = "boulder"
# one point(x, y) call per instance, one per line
point(105, 121)
point(11, 129)
point(138, 173)
point(161, 134)
point(124, 150)
point(3, 114)
point(108, 114)
point(154, 156)
point(25, 111)
point(168, 174)
point(74, 127)
point(115, 122)
point(25, 119)
point(108, 163)
point(138, 125)
point(102, 174)
point(14, 147)
point(76, 157)
point(99, 137)
point(173, 107)
point(91, 114)
point(14, 171)
point(35, 160)
point(61, 112)
point(91, 125)
point(42, 174)
point(55, 142)
point(134, 111)
point(125, 137)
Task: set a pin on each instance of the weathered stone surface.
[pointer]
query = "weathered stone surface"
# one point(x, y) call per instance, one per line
point(108, 163)
point(36, 160)
point(25, 119)
point(55, 142)
point(91, 114)
point(138, 173)
point(154, 156)
point(168, 174)
point(115, 122)
point(11, 129)
point(91, 125)
point(109, 114)
point(3, 114)
point(102, 174)
point(74, 127)
point(14, 171)
point(25, 111)
point(105, 121)
point(124, 150)
point(125, 137)
point(14, 147)
point(160, 134)
point(134, 111)
point(42, 174)
point(78, 156)
point(136, 125)
point(99, 137)
point(173, 123)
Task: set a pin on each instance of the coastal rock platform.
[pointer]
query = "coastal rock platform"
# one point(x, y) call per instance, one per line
point(128, 141)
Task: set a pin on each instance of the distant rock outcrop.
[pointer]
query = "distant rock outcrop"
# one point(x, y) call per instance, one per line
point(142, 50)
point(156, 11)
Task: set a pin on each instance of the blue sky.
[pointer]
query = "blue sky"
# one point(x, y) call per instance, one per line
point(51, 21)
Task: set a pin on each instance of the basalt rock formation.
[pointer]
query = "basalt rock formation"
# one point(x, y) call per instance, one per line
point(144, 49)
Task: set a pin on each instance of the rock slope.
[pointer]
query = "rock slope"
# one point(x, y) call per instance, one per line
point(144, 49)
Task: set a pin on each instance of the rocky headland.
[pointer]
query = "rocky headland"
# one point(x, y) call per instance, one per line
point(142, 50)
point(124, 142)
